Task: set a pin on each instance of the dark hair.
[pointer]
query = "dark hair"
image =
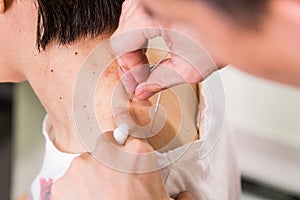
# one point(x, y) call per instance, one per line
point(64, 21)
point(245, 12)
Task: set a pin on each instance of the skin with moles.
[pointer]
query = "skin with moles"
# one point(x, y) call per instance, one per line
point(52, 74)
point(54, 85)
point(139, 110)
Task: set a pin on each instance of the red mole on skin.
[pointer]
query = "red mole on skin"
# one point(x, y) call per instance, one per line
point(112, 72)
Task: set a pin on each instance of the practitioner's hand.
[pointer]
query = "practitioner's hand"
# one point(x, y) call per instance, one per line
point(189, 62)
point(87, 178)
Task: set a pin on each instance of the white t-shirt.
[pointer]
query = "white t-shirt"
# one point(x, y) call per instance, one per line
point(215, 177)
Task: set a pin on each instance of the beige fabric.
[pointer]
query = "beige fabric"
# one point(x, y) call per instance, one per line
point(213, 178)
point(187, 130)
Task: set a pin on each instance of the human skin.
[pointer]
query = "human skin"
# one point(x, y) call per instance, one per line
point(125, 186)
point(52, 74)
point(138, 109)
point(87, 178)
point(270, 50)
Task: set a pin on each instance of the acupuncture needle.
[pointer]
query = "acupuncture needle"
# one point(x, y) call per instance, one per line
point(121, 132)
point(158, 63)
point(159, 94)
point(158, 102)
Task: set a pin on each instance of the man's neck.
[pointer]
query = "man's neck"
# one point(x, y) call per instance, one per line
point(54, 83)
point(53, 77)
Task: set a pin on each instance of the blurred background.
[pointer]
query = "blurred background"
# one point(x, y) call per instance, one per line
point(265, 118)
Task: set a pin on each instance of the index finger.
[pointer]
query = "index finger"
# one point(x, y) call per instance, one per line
point(129, 43)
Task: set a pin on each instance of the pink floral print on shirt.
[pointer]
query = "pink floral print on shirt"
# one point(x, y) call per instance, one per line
point(46, 188)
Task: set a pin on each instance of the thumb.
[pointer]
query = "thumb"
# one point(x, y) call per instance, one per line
point(164, 76)
point(185, 196)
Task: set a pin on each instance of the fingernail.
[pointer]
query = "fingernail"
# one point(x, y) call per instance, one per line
point(145, 95)
point(139, 90)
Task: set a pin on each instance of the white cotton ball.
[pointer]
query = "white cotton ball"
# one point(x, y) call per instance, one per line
point(121, 134)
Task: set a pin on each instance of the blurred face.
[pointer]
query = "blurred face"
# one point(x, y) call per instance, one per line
point(271, 51)
point(17, 39)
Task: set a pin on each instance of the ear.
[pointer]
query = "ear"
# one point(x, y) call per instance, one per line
point(2, 6)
